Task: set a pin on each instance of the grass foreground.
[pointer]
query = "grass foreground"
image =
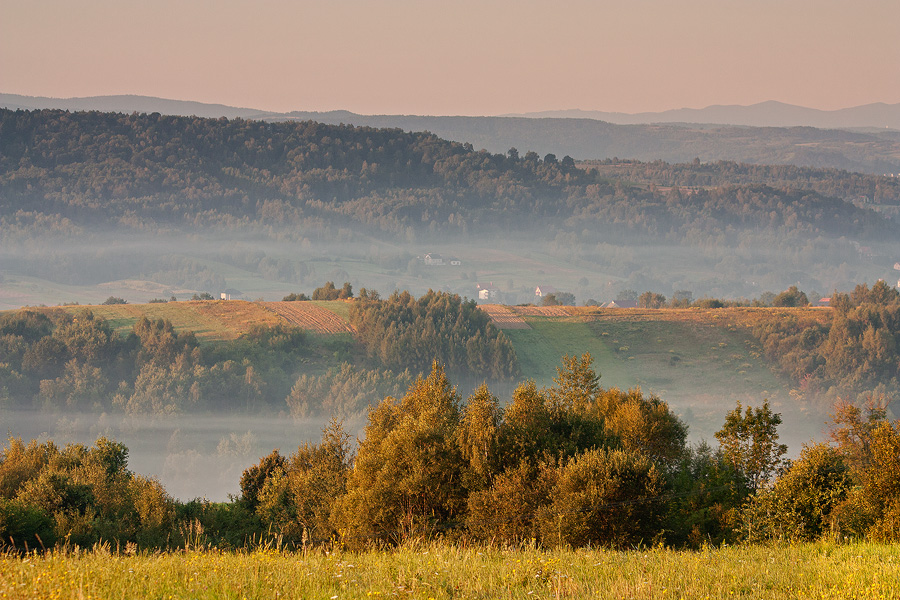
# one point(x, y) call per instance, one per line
point(820, 570)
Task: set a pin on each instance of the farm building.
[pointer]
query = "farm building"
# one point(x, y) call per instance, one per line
point(433, 259)
point(487, 291)
point(621, 304)
point(542, 290)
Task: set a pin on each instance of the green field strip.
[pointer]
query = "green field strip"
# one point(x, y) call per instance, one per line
point(688, 359)
point(182, 315)
point(339, 307)
point(700, 370)
point(541, 348)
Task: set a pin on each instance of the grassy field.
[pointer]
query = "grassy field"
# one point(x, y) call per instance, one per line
point(436, 571)
point(211, 321)
point(700, 361)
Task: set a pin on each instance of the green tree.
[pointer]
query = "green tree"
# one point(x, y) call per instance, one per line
point(602, 497)
point(791, 297)
point(881, 481)
point(326, 292)
point(565, 298)
point(550, 300)
point(798, 507)
point(853, 429)
point(478, 435)
point(407, 475)
point(298, 502)
point(749, 441)
point(708, 498)
point(577, 384)
point(651, 300)
point(627, 296)
point(254, 478)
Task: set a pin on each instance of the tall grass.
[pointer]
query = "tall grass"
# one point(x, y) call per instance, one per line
point(821, 570)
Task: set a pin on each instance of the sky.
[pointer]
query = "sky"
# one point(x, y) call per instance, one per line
point(459, 57)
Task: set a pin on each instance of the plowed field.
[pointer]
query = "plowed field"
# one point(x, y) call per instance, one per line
point(542, 311)
point(309, 316)
point(503, 318)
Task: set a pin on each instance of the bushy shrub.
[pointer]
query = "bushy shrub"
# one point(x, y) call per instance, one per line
point(298, 502)
point(798, 507)
point(406, 478)
point(602, 497)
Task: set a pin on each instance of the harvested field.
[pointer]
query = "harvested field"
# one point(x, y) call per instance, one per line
point(309, 315)
point(210, 320)
point(542, 311)
point(503, 318)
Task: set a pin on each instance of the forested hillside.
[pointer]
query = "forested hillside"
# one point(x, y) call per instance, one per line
point(96, 168)
point(53, 360)
point(191, 204)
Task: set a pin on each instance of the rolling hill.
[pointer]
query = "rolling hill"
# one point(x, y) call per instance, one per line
point(149, 206)
point(700, 361)
point(766, 133)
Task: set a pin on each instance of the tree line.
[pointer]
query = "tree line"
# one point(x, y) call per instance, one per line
point(836, 183)
point(53, 360)
point(404, 332)
point(574, 464)
point(853, 356)
point(86, 177)
point(89, 168)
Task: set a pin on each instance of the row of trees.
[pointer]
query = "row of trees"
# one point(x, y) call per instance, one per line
point(85, 177)
point(828, 182)
point(574, 464)
point(791, 297)
point(57, 361)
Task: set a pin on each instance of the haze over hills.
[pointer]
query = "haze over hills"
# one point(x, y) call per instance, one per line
point(145, 206)
point(792, 142)
point(129, 103)
point(763, 114)
point(772, 113)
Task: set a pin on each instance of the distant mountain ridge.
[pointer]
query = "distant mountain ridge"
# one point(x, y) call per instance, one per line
point(764, 114)
point(129, 103)
point(875, 151)
point(878, 115)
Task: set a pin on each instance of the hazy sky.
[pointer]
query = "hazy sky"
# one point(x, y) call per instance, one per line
point(457, 56)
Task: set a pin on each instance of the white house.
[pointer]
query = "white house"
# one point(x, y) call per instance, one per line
point(542, 290)
point(433, 259)
point(487, 291)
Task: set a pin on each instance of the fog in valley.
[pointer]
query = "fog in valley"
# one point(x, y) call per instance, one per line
point(203, 456)
point(89, 267)
point(193, 456)
point(171, 208)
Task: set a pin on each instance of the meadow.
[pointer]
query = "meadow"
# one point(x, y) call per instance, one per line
point(217, 320)
point(699, 361)
point(435, 570)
